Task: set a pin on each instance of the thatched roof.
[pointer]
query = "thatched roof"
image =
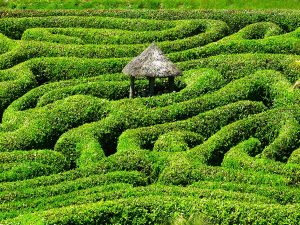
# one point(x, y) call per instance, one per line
point(296, 85)
point(151, 63)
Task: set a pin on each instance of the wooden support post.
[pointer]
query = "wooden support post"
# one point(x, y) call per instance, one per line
point(171, 84)
point(151, 85)
point(131, 90)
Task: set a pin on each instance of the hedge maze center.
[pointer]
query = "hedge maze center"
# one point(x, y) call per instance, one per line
point(100, 126)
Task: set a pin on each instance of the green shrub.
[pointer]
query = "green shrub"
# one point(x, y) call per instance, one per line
point(150, 209)
point(19, 165)
point(63, 117)
point(15, 27)
point(204, 124)
point(245, 156)
point(133, 177)
point(295, 157)
point(181, 171)
point(179, 30)
point(177, 141)
point(281, 193)
point(286, 142)
point(121, 191)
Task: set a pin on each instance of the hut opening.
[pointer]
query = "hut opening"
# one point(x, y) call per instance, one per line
point(151, 64)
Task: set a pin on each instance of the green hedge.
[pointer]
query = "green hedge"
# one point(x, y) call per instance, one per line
point(170, 113)
point(177, 141)
point(14, 83)
point(6, 44)
point(214, 30)
point(42, 156)
point(20, 171)
point(13, 208)
point(19, 165)
point(131, 177)
point(287, 19)
point(15, 27)
point(261, 84)
point(245, 156)
point(215, 147)
point(236, 66)
point(182, 29)
point(295, 157)
point(46, 127)
point(204, 124)
point(258, 31)
point(181, 170)
point(285, 143)
point(212, 151)
point(282, 44)
point(158, 209)
point(130, 161)
point(121, 191)
point(281, 193)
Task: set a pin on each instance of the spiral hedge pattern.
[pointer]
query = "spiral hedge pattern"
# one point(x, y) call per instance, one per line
point(224, 147)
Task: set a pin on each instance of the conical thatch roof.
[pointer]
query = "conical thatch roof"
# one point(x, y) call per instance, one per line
point(151, 63)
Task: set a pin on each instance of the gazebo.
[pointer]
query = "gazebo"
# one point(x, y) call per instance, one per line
point(151, 64)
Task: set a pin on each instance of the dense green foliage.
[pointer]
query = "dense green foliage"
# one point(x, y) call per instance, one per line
point(150, 4)
point(223, 147)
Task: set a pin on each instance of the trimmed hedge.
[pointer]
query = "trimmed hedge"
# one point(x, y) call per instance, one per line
point(177, 141)
point(20, 171)
point(133, 177)
point(6, 44)
point(236, 20)
point(121, 191)
point(19, 165)
point(204, 124)
point(158, 209)
point(42, 156)
point(295, 157)
point(46, 127)
point(181, 170)
point(233, 45)
point(285, 143)
point(212, 151)
point(214, 30)
point(245, 156)
point(15, 27)
point(132, 161)
point(181, 29)
point(282, 194)
point(260, 83)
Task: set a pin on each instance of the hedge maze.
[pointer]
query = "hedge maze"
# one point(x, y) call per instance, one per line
point(223, 148)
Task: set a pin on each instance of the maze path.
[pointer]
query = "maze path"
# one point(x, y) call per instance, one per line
point(75, 149)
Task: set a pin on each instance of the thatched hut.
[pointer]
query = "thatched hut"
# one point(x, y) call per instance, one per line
point(151, 64)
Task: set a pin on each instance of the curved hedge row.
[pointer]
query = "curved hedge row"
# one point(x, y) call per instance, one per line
point(182, 29)
point(161, 209)
point(287, 19)
point(116, 191)
point(214, 30)
point(205, 124)
point(239, 157)
point(15, 27)
point(19, 165)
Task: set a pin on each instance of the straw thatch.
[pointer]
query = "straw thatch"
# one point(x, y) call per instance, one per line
point(151, 63)
point(296, 85)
